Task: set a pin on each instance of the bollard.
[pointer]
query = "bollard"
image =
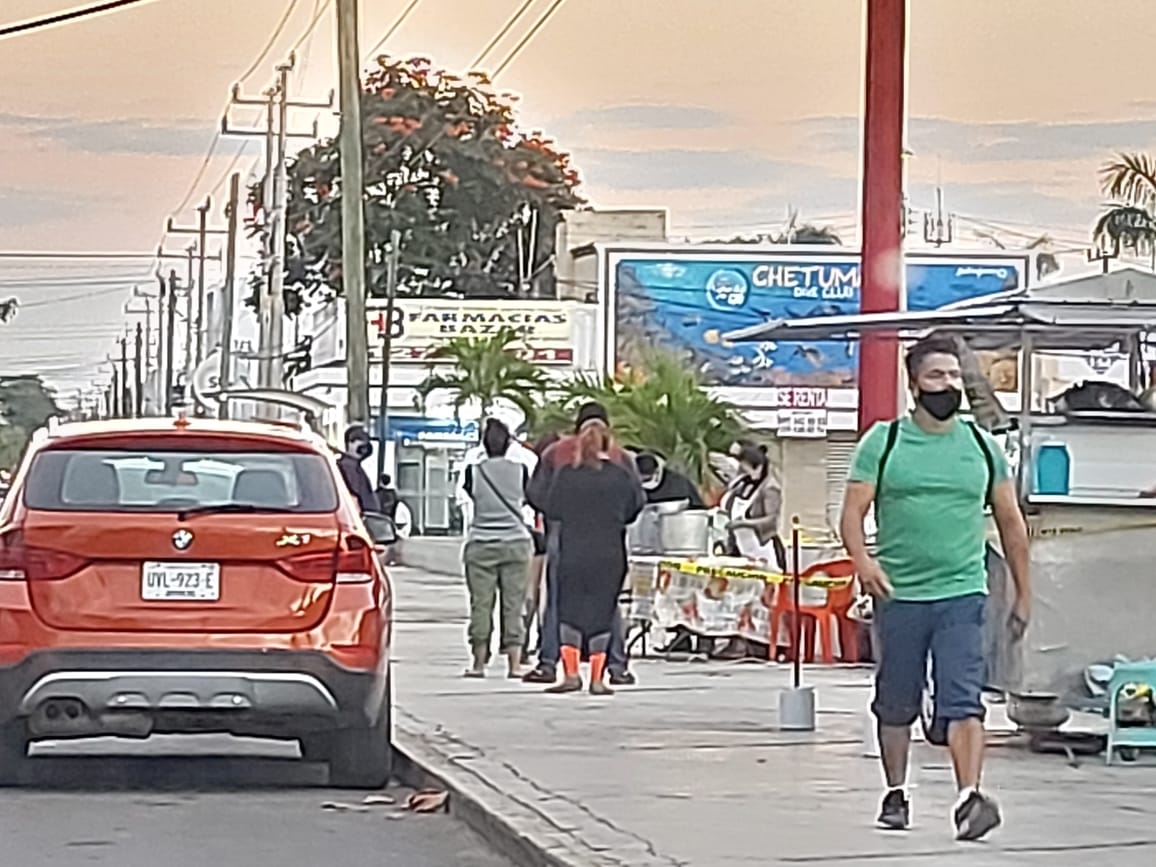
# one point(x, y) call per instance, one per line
point(797, 704)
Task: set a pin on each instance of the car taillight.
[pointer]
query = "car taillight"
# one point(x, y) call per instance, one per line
point(21, 562)
point(317, 568)
point(352, 563)
point(355, 561)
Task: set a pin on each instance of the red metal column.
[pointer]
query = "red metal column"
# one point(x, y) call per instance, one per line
point(882, 261)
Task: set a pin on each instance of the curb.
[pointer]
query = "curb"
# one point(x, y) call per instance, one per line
point(482, 808)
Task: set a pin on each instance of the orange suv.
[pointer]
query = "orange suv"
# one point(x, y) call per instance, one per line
point(181, 576)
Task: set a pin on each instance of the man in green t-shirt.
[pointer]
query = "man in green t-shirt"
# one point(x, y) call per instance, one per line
point(929, 476)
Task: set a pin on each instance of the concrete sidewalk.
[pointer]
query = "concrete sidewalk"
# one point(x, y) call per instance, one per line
point(689, 769)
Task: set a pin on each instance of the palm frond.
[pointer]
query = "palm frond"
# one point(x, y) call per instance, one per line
point(1130, 178)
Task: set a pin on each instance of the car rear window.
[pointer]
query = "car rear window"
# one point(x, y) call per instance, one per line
point(134, 480)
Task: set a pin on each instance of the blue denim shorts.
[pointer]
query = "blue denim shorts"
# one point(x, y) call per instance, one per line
point(950, 633)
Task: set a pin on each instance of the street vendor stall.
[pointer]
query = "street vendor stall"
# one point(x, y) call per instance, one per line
point(1086, 478)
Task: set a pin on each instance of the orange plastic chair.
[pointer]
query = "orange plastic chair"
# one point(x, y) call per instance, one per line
point(834, 610)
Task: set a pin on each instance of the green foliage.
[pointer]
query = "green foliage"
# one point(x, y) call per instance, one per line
point(667, 410)
point(475, 199)
point(1129, 219)
point(484, 370)
point(12, 442)
point(804, 234)
point(25, 405)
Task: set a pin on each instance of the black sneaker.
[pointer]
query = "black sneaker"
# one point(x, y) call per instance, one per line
point(895, 814)
point(623, 678)
point(976, 817)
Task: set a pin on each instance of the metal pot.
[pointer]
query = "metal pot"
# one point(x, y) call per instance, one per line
point(685, 533)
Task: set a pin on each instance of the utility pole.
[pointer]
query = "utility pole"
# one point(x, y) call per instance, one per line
point(202, 231)
point(228, 299)
point(170, 335)
point(271, 306)
point(114, 395)
point(187, 257)
point(391, 266)
point(353, 213)
point(125, 396)
point(138, 406)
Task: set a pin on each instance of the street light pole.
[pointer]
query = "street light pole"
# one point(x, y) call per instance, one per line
point(352, 212)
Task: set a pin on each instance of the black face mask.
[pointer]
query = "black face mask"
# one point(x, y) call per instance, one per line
point(362, 449)
point(941, 405)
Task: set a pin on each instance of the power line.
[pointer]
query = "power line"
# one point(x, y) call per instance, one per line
point(204, 167)
point(277, 31)
point(64, 254)
point(538, 25)
point(393, 28)
point(317, 16)
point(99, 294)
point(63, 17)
point(501, 34)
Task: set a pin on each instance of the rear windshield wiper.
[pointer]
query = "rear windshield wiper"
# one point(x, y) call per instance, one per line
point(232, 509)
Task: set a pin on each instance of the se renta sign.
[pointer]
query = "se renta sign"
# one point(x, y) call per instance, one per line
point(683, 300)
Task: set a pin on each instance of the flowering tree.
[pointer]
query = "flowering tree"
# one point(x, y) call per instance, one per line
point(476, 199)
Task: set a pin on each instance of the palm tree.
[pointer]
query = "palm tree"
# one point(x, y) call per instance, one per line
point(1129, 221)
point(484, 370)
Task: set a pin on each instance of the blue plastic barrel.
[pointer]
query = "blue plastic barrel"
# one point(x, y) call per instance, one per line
point(1053, 469)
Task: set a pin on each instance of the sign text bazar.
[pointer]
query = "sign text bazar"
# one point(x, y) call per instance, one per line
point(417, 327)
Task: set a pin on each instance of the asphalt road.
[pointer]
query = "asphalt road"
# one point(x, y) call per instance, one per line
point(228, 803)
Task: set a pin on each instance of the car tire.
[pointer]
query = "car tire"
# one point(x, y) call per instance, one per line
point(13, 751)
point(362, 757)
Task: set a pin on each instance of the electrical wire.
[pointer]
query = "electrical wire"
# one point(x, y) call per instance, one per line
point(393, 28)
point(538, 25)
point(280, 28)
point(501, 34)
point(212, 151)
point(69, 298)
point(317, 16)
point(65, 17)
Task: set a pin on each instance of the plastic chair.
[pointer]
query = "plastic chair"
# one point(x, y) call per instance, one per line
point(832, 611)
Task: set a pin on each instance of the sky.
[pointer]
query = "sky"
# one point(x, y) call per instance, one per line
point(726, 112)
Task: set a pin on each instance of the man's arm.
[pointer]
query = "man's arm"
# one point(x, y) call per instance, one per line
point(1013, 533)
point(468, 480)
point(857, 501)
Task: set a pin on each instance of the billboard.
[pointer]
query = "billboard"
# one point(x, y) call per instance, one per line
point(684, 301)
point(421, 325)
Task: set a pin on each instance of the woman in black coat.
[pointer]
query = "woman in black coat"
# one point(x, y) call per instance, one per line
point(593, 500)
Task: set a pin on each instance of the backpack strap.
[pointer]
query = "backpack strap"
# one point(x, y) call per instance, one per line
point(888, 447)
point(988, 459)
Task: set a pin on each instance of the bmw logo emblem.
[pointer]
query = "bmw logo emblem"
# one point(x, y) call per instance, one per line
point(182, 539)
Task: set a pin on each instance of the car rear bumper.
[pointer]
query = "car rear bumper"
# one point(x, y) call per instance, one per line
point(136, 692)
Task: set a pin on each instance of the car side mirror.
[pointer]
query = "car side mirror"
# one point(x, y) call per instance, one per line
point(381, 528)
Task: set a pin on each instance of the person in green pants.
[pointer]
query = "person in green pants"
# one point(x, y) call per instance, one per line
point(497, 551)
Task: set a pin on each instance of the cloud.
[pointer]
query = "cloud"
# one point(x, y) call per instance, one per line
point(645, 116)
point(19, 208)
point(684, 169)
point(1024, 141)
point(123, 136)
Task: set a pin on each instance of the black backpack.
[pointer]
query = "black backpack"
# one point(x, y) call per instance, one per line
point(893, 435)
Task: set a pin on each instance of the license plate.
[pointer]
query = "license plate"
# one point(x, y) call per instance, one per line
point(181, 582)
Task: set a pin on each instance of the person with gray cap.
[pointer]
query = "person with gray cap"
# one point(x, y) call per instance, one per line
point(559, 454)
